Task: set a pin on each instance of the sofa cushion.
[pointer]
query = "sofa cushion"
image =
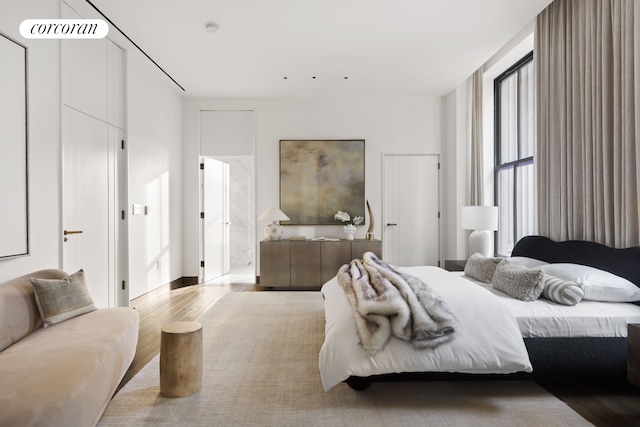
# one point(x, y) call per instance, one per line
point(19, 314)
point(62, 299)
point(64, 375)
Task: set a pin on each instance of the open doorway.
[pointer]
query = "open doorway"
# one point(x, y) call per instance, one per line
point(227, 138)
point(240, 227)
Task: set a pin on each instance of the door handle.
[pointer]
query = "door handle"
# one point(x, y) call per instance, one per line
point(391, 224)
point(66, 232)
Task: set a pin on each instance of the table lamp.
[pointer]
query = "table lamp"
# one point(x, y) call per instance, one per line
point(483, 220)
point(273, 231)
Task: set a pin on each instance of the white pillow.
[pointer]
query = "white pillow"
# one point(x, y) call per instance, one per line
point(527, 262)
point(598, 285)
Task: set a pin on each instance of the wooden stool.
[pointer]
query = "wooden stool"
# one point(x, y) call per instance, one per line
point(180, 359)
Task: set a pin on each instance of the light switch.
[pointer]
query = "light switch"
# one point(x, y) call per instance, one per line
point(138, 209)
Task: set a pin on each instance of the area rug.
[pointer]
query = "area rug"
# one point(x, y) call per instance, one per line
point(261, 369)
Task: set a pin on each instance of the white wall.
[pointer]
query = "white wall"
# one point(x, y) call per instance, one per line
point(154, 143)
point(456, 167)
point(153, 133)
point(457, 151)
point(44, 140)
point(389, 125)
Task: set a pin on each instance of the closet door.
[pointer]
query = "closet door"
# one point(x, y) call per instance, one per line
point(94, 212)
point(88, 202)
point(411, 223)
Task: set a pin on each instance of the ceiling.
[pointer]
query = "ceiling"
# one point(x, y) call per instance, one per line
point(320, 48)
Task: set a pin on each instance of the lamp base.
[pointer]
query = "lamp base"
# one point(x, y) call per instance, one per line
point(481, 241)
point(273, 231)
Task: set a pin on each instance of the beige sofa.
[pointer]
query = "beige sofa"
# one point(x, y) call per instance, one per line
point(64, 374)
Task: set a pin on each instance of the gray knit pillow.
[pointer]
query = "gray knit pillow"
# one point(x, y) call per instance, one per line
point(62, 299)
point(557, 290)
point(481, 268)
point(525, 284)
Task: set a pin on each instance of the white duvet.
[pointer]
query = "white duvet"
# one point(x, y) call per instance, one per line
point(545, 319)
point(487, 337)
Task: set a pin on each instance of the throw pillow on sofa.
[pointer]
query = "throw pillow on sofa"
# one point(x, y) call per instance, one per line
point(62, 299)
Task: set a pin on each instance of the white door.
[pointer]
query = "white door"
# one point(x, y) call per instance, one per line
point(89, 202)
point(214, 218)
point(411, 224)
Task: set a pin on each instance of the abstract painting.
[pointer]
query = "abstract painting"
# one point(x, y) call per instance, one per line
point(320, 177)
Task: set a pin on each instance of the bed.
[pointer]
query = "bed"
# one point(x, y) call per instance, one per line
point(496, 335)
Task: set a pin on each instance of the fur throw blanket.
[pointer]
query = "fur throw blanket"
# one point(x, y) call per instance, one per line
point(388, 302)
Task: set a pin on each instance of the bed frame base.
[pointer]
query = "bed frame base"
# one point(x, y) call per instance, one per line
point(553, 359)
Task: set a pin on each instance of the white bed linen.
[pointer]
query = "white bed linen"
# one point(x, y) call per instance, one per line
point(487, 337)
point(545, 319)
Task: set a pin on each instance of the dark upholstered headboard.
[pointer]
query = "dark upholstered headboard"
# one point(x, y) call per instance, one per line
point(621, 262)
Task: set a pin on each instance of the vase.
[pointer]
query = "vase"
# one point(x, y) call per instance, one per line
point(350, 230)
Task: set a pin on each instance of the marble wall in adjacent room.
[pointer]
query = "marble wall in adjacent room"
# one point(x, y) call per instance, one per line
point(241, 209)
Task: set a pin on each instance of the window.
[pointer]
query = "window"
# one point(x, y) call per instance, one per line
point(515, 135)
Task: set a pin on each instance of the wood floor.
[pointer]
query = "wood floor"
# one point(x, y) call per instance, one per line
point(603, 404)
point(181, 304)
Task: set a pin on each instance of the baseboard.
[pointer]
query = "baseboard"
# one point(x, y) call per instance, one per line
point(164, 289)
point(187, 281)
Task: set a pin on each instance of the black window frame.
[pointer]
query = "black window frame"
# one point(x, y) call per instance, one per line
point(520, 161)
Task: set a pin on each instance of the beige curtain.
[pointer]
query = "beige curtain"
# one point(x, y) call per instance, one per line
point(587, 64)
point(477, 171)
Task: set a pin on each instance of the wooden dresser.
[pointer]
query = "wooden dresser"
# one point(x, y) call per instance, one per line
point(308, 263)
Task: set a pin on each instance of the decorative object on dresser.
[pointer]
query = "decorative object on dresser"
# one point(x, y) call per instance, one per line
point(482, 220)
point(308, 263)
point(273, 231)
point(350, 228)
point(315, 174)
point(369, 235)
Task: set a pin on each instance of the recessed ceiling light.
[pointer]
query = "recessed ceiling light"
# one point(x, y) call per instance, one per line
point(211, 28)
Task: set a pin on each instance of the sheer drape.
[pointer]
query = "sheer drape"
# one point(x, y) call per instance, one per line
point(587, 56)
point(477, 170)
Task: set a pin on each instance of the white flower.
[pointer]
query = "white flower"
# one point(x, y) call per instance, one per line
point(342, 216)
point(345, 217)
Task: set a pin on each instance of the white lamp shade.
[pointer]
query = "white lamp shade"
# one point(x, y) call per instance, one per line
point(480, 218)
point(273, 214)
point(483, 220)
point(273, 231)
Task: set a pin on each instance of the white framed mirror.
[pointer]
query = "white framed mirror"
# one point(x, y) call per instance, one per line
point(14, 199)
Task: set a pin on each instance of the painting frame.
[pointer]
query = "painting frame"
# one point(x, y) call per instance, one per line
point(14, 134)
point(319, 177)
